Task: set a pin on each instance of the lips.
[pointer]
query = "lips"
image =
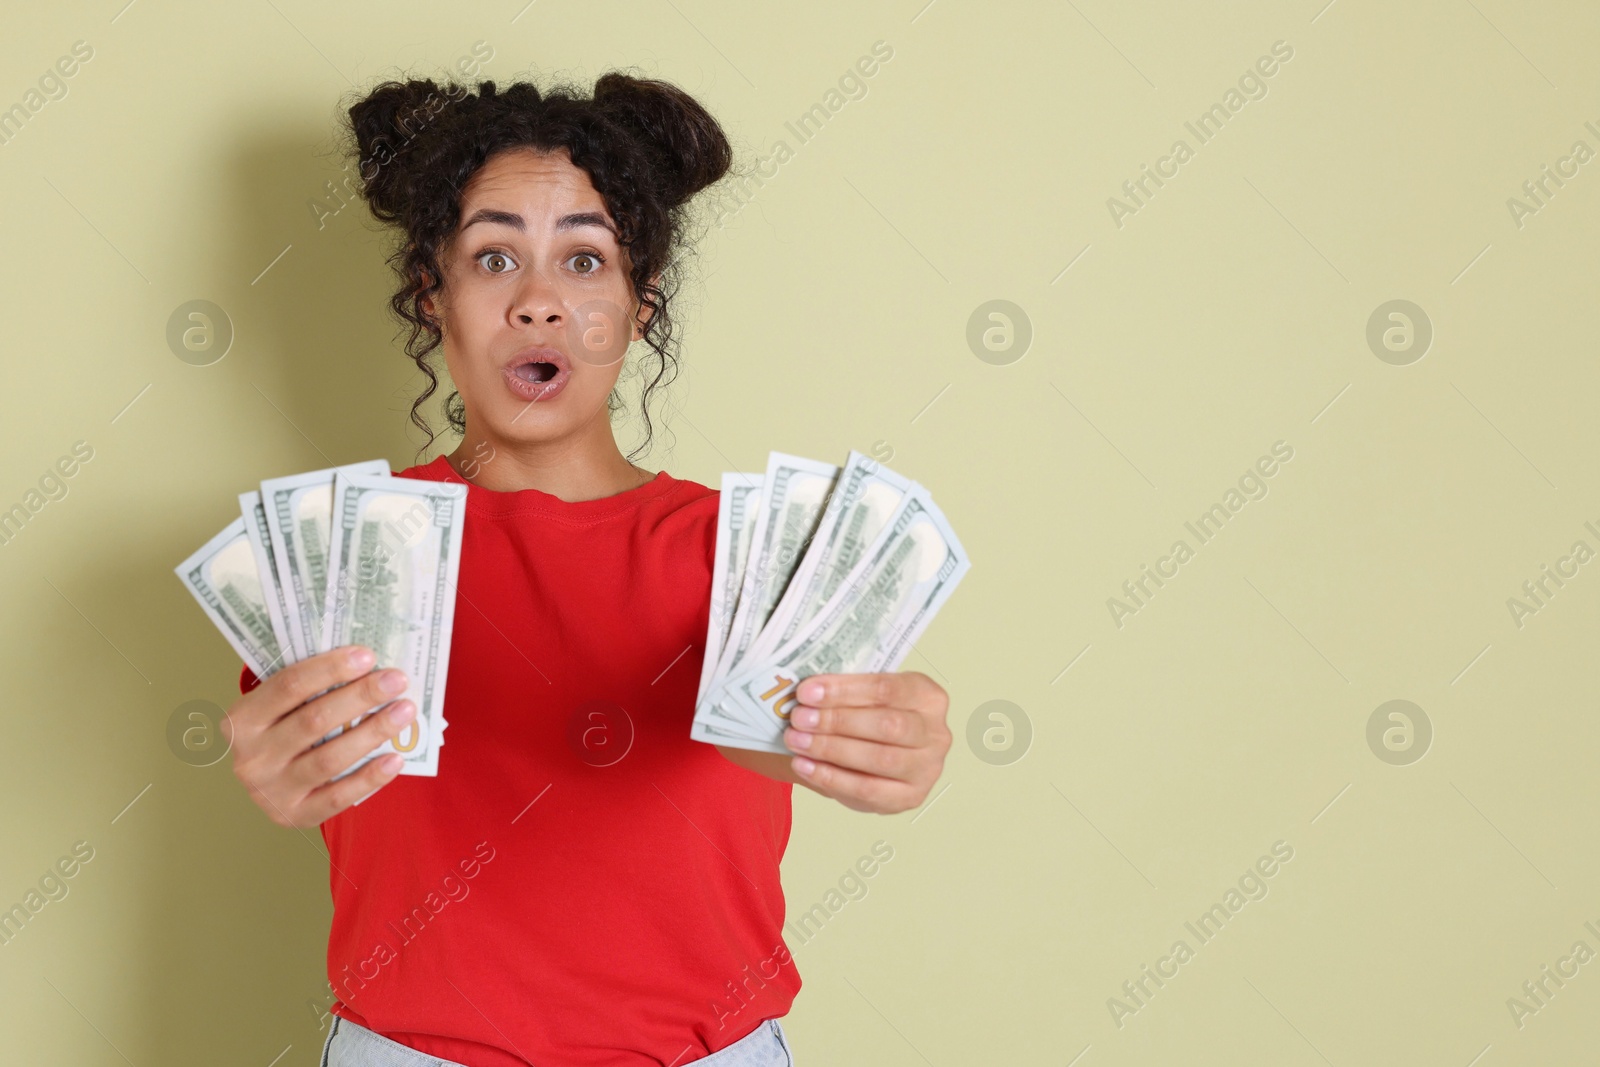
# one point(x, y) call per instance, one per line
point(537, 373)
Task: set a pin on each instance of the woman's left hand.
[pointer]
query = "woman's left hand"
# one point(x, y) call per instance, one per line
point(873, 742)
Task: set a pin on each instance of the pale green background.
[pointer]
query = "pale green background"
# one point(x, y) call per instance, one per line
point(831, 313)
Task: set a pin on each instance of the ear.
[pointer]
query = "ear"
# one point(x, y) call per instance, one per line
point(426, 303)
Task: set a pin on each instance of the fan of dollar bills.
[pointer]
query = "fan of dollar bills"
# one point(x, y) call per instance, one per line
point(818, 570)
point(344, 556)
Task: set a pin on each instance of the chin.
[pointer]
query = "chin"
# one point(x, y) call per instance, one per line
point(517, 420)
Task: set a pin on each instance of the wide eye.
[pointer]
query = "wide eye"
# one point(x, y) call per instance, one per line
point(498, 262)
point(590, 260)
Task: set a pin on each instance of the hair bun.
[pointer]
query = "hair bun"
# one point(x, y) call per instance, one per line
point(688, 148)
point(385, 125)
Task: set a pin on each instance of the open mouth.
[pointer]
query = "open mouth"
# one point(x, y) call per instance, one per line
point(536, 372)
point(539, 372)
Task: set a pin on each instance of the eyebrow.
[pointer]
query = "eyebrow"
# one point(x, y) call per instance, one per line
point(516, 222)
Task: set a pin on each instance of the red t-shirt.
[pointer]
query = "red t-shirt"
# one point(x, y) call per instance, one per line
point(536, 903)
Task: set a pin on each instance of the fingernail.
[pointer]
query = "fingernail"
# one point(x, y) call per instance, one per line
point(810, 692)
point(803, 766)
point(401, 712)
point(807, 717)
point(362, 658)
point(392, 682)
point(796, 739)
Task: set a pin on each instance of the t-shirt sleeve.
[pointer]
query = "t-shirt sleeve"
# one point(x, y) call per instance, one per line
point(247, 680)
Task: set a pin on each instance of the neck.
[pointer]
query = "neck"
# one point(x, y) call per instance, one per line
point(587, 466)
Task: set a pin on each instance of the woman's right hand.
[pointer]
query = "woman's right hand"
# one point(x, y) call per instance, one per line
point(272, 728)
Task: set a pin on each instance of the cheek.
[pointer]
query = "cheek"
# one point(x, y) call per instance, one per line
point(458, 369)
point(590, 385)
point(467, 338)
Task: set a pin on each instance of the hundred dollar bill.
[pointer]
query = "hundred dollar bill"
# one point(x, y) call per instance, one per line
point(869, 624)
point(393, 561)
point(794, 491)
point(223, 577)
point(736, 512)
point(860, 506)
point(255, 528)
point(298, 511)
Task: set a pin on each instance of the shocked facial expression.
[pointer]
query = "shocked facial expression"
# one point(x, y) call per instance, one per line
point(537, 305)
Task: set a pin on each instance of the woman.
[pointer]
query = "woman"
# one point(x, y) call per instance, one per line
point(534, 904)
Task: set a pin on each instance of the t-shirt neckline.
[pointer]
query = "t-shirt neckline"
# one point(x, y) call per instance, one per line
point(497, 504)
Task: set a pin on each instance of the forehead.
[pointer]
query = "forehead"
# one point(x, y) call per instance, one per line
point(532, 184)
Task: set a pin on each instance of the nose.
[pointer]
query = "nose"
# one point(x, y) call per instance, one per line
point(536, 299)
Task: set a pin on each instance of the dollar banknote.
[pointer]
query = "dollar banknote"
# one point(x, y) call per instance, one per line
point(736, 515)
point(877, 610)
point(794, 492)
point(382, 575)
point(299, 510)
point(860, 506)
point(224, 578)
point(255, 528)
point(393, 559)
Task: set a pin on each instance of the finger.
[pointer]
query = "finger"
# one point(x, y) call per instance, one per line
point(314, 768)
point(890, 726)
point(883, 689)
point(869, 757)
point(854, 789)
point(297, 683)
point(329, 800)
point(312, 722)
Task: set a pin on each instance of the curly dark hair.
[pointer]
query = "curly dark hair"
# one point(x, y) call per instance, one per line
point(646, 145)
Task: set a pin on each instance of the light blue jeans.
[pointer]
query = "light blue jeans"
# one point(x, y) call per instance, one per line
point(351, 1045)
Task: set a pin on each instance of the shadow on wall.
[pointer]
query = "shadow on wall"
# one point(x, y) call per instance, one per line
point(327, 365)
point(234, 934)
